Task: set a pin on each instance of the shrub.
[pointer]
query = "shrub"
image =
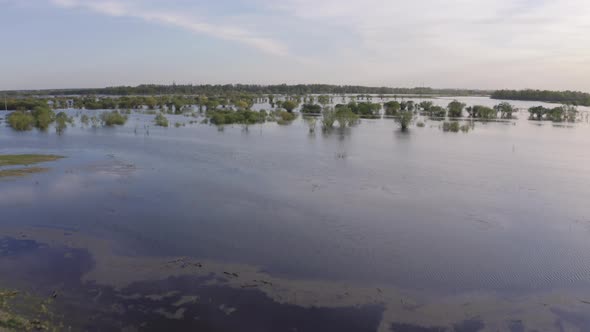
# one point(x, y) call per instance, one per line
point(113, 118)
point(404, 119)
point(62, 120)
point(437, 112)
point(285, 117)
point(161, 120)
point(482, 112)
point(456, 109)
point(311, 109)
point(392, 107)
point(451, 126)
point(44, 116)
point(21, 120)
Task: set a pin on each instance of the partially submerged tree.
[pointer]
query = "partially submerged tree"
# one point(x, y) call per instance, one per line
point(537, 112)
point(505, 109)
point(481, 112)
point(392, 107)
point(289, 105)
point(456, 109)
point(404, 119)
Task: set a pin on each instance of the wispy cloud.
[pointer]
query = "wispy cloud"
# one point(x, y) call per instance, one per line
point(188, 22)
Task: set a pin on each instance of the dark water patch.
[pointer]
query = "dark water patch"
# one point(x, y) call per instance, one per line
point(470, 325)
point(187, 303)
point(39, 268)
point(14, 247)
point(580, 320)
point(516, 326)
point(400, 327)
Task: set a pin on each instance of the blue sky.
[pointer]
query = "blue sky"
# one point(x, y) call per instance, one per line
point(440, 43)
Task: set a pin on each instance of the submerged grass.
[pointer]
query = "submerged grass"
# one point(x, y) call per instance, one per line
point(10, 320)
point(22, 171)
point(26, 159)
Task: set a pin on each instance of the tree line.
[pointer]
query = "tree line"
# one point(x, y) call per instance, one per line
point(562, 97)
point(208, 89)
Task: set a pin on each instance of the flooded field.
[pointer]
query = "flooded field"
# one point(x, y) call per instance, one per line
point(274, 228)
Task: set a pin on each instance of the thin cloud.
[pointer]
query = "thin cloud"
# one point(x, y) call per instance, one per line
point(122, 9)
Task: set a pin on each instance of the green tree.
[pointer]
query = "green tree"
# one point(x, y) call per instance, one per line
point(505, 109)
point(425, 106)
point(404, 119)
point(456, 109)
point(392, 107)
point(289, 105)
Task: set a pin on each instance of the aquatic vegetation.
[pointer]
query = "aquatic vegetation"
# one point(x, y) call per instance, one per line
point(425, 106)
point(20, 312)
point(24, 160)
point(465, 128)
point(289, 105)
point(311, 109)
point(179, 124)
point(85, 119)
point(311, 123)
point(453, 126)
point(420, 124)
point(113, 118)
point(537, 112)
point(365, 110)
point(392, 107)
point(44, 116)
point(328, 119)
point(161, 120)
point(404, 119)
point(482, 112)
point(562, 113)
point(61, 122)
point(436, 112)
point(346, 117)
point(456, 109)
point(222, 117)
point(284, 117)
point(505, 109)
point(21, 171)
point(21, 120)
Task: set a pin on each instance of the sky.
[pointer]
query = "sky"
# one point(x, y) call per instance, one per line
point(480, 44)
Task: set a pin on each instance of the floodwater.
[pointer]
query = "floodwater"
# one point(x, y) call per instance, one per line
point(273, 228)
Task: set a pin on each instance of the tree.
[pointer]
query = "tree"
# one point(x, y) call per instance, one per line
point(425, 106)
point(537, 112)
point(404, 119)
point(482, 112)
point(456, 109)
point(289, 105)
point(505, 109)
point(311, 109)
point(392, 107)
point(437, 112)
point(44, 116)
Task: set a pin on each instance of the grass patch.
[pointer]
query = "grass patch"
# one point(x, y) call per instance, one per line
point(26, 159)
point(21, 171)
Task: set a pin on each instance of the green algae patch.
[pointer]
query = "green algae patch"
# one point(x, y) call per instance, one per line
point(26, 159)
